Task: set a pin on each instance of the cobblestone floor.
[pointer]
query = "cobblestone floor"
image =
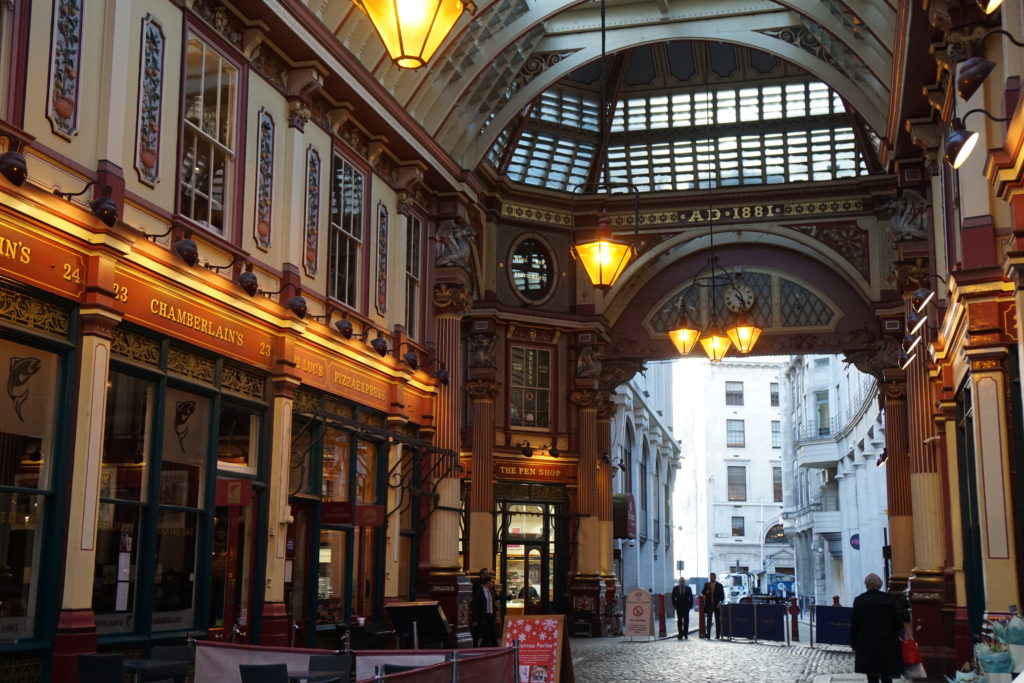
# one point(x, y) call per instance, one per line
point(613, 660)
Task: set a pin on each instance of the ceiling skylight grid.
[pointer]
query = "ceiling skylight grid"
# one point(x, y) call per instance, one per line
point(546, 161)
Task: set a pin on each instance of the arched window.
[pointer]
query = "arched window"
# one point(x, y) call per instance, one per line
point(628, 457)
point(775, 535)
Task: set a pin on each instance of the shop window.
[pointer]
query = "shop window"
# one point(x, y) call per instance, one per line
point(26, 444)
point(737, 482)
point(331, 576)
point(346, 231)
point(734, 393)
point(208, 136)
point(530, 390)
point(735, 433)
point(183, 464)
point(414, 230)
point(335, 465)
point(366, 472)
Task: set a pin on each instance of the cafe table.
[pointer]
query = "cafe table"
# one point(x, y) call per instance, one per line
point(158, 668)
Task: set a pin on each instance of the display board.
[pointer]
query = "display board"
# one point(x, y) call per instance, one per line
point(832, 625)
point(639, 614)
point(544, 655)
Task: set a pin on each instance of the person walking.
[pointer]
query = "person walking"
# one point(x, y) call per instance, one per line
point(483, 609)
point(714, 596)
point(875, 633)
point(682, 600)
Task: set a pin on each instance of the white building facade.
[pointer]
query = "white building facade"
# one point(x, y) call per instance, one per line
point(834, 476)
point(730, 493)
point(646, 456)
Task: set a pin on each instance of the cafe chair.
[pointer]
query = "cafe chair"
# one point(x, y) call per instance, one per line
point(171, 653)
point(339, 664)
point(105, 668)
point(263, 673)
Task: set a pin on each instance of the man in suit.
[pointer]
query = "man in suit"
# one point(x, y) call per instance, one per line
point(714, 596)
point(483, 609)
point(875, 633)
point(682, 600)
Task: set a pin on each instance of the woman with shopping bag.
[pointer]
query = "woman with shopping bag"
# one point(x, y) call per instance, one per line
point(875, 633)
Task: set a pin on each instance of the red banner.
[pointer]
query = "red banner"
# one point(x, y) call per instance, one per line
point(369, 515)
point(543, 647)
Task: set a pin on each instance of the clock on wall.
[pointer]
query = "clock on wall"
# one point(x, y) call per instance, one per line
point(739, 297)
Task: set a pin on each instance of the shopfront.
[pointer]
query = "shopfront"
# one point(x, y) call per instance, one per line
point(533, 530)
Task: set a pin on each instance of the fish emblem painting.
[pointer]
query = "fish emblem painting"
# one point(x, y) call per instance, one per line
point(182, 412)
point(22, 370)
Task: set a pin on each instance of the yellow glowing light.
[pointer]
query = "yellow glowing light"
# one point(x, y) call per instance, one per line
point(743, 336)
point(412, 30)
point(684, 339)
point(716, 345)
point(990, 6)
point(604, 260)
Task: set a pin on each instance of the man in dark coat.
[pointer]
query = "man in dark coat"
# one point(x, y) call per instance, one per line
point(714, 596)
point(483, 609)
point(682, 600)
point(875, 633)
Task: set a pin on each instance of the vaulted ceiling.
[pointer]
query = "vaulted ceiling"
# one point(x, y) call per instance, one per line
point(501, 59)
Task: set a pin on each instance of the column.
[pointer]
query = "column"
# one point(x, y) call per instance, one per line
point(442, 579)
point(481, 502)
point(586, 585)
point(274, 627)
point(605, 411)
point(76, 623)
point(897, 480)
point(995, 480)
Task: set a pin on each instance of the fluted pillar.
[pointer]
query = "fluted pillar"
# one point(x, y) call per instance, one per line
point(897, 479)
point(605, 412)
point(586, 585)
point(481, 501)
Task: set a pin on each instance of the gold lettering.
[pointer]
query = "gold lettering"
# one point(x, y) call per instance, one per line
point(696, 215)
point(195, 322)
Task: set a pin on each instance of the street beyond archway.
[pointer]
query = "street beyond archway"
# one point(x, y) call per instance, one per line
point(613, 660)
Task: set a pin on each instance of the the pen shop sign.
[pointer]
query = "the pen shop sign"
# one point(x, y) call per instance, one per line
point(540, 471)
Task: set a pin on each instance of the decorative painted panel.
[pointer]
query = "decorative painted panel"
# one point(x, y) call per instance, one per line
point(264, 179)
point(382, 258)
point(309, 260)
point(65, 58)
point(151, 84)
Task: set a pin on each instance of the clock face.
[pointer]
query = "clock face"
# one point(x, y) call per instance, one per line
point(739, 297)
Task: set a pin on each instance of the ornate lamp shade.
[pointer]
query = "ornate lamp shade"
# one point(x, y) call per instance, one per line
point(412, 30)
point(603, 257)
point(715, 344)
point(743, 335)
point(973, 73)
point(989, 6)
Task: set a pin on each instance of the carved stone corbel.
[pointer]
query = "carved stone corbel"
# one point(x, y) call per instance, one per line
point(481, 389)
point(456, 298)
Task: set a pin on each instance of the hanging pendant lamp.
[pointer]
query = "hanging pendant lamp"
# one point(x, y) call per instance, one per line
point(715, 343)
point(603, 257)
point(412, 30)
point(744, 334)
point(684, 336)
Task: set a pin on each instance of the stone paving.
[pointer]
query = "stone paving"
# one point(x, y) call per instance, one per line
point(614, 660)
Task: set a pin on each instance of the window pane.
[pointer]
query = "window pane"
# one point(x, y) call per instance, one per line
point(775, 393)
point(735, 433)
point(175, 570)
point(20, 546)
point(776, 434)
point(738, 526)
point(530, 387)
point(734, 393)
point(335, 465)
point(330, 590)
point(27, 415)
point(346, 227)
point(186, 420)
point(366, 472)
point(737, 482)
point(126, 438)
point(233, 539)
point(117, 552)
point(777, 484)
point(239, 436)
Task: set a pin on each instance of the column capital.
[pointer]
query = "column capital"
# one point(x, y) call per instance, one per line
point(482, 389)
point(893, 390)
point(284, 386)
point(587, 399)
point(99, 321)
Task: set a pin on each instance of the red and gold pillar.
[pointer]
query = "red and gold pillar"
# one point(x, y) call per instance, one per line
point(897, 477)
point(586, 586)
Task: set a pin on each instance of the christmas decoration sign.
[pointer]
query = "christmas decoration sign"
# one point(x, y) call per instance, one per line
point(543, 648)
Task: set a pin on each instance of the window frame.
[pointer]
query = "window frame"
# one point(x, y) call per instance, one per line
point(549, 389)
point(733, 397)
point(553, 266)
point(777, 484)
point(414, 254)
point(741, 527)
point(731, 432)
point(234, 192)
point(776, 434)
point(773, 391)
point(357, 299)
point(734, 491)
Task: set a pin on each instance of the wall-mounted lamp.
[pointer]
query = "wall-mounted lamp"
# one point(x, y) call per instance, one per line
point(915, 321)
point(617, 462)
point(247, 280)
point(410, 357)
point(344, 326)
point(186, 249)
point(297, 304)
point(379, 344)
point(882, 457)
point(552, 449)
point(12, 163)
point(960, 142)
point(102, 207)
point(910, 341)
point(989, 6)
point(975, 70)
point(906, 359)
point(526, 449)
point(210, 266)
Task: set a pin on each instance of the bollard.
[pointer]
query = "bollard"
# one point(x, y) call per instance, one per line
point(794, 612)
point(835, 601)
point(515, 660)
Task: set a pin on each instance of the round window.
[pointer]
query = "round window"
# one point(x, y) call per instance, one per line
point(531, 268)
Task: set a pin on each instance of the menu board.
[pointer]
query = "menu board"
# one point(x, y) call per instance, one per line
point(543, 647)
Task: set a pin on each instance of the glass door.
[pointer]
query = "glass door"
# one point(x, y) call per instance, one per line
point(529, 560)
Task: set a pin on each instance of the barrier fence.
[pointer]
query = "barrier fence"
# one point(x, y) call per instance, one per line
point(754, 621)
